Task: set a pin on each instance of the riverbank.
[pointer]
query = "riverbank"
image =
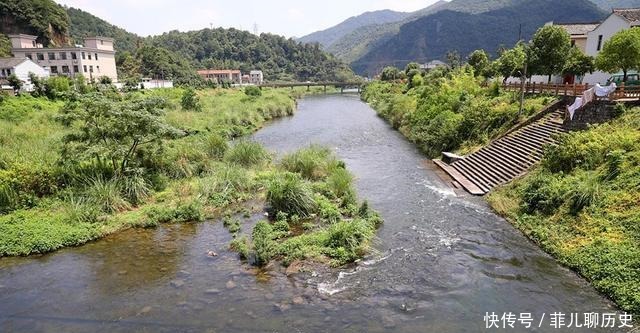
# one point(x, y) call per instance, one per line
point(49, 201)
point(450, 111)
point(581, 204)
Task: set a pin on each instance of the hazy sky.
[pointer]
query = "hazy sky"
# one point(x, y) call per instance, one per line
point(291, 18)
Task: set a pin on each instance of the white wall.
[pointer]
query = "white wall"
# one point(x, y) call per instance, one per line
point(606, 29)
point(22, 72)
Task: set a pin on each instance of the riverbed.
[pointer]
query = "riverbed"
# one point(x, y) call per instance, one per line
point(442, 259)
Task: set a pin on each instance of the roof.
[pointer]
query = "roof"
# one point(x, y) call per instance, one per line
point(100, 38)
point(219, 71)
point(629, 14)
point(255, 72)
point(11, 62)
point(578, 28)
point(23, 36)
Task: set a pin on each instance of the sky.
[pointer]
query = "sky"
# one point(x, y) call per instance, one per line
point(291, 18)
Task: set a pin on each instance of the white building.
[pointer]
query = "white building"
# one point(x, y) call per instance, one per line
point(94, 59)
point(256, 77)
point(620, 19)
point(21, 67)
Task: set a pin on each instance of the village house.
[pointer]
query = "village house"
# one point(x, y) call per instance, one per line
point(221, 75)
point(20, 67)
point(94, 59)
point(256, 77)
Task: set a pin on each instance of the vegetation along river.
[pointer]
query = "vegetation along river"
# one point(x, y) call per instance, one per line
point(442, 259)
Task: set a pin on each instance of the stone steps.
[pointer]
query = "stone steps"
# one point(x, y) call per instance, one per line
point(506, 158)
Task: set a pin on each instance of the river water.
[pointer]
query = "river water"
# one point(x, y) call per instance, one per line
point(442, 260)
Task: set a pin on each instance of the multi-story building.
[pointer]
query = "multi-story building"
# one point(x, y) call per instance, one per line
point(222, 75)
point(256, 77)
point(94, 59)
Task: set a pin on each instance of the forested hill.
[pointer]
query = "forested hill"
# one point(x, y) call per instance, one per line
point(432, 36)
point(329, 36)
point(174, 55)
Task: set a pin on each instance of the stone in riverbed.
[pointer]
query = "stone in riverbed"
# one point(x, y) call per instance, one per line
point(184, 274)
point(298, 300)
point(269, 296)
point(145, 310)
point(212, 291)
point(231, 284)
point(282, 306)
point(177, 283)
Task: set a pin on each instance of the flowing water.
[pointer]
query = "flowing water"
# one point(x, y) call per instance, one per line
point(442, 260)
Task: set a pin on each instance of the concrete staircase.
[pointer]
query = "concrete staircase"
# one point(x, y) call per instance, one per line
point(507, 157)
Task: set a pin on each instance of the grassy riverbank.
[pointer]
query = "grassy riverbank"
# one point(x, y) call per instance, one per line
point(57, 188)
point(582, 205)
point(449, 110)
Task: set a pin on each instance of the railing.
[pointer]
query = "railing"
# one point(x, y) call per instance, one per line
point(576, 89)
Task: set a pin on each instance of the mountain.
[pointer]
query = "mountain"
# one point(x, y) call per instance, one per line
point(432, 36)
point(331, 35)
point(610, 4)
point(174, 54)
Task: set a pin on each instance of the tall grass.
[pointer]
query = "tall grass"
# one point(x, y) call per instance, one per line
point(288, 193)
point(312, 163)
point(247, 154)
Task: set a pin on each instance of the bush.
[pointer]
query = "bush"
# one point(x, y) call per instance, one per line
point(263, 244)
point(190, 101)
point(247, 154)
point(232, 224)
point(253, 91)
point(340, 183)
point(241, 245)
point(585, 192)
point(215, 146)
point(80, 210)
point(544, 193)
point(191, 211)
point(288, 193)
point(107, 195)
point(227, 184)
point(135, 187)
point(347, 240)
point(312, 163)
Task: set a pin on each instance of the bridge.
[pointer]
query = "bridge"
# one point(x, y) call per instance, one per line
point(341, 85)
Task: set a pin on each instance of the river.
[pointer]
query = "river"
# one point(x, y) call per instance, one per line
point(442, 260)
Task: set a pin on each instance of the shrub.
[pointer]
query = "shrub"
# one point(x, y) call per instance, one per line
point(586, 191)
point(312, 163)
point(288, 193)
point(339, 182)
point(240, 245)
point(190, 101)
point(215, 146)
point(347, 240)
point(263, 244)
point(106, 194)
point(232, 224)
point(543, 193)
point(227, 184)
point(135, 187)
point(247, 154)
point(253, 91)
point(184, 212)
point(81, 210)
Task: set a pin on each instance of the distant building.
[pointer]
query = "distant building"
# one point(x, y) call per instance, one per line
point(433, 64)
point(578, 32)
point(94, 59)
point(221, 75)
point(256, 77)
point(21, 67)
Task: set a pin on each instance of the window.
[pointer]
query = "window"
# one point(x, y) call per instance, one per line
point(101, 43)
point(54, 69)
point(63, 55)
point(85, 68)
point(74, 55)
point(91, 69)
point(65, 69)
point(89, 56)
point(39, 56)
point(83, 57)
point(599, 43)
point(3, 72)
point(75, 69)
point(98, 69)
point(33, 43)
point(573, 43)
point(96, 56)
point(29, 56)
point(52, 56)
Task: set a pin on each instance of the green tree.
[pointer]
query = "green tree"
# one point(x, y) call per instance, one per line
point(190, 100)
point(5, 46)
point(57, 87)
point(578, 63)
point(479, 60)
point(620, 53)
point(15, 83)
point(511, 62)
point(38, 85)
point(118, 131)
point(391, 73)
point(550, 48)
point(454, 60)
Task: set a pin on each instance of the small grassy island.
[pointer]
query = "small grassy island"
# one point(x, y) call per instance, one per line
point(78, 165)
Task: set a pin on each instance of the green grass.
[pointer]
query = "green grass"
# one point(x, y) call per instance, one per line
point(582, 205)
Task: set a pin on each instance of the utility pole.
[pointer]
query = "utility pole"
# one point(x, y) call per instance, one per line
point(255, 29)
